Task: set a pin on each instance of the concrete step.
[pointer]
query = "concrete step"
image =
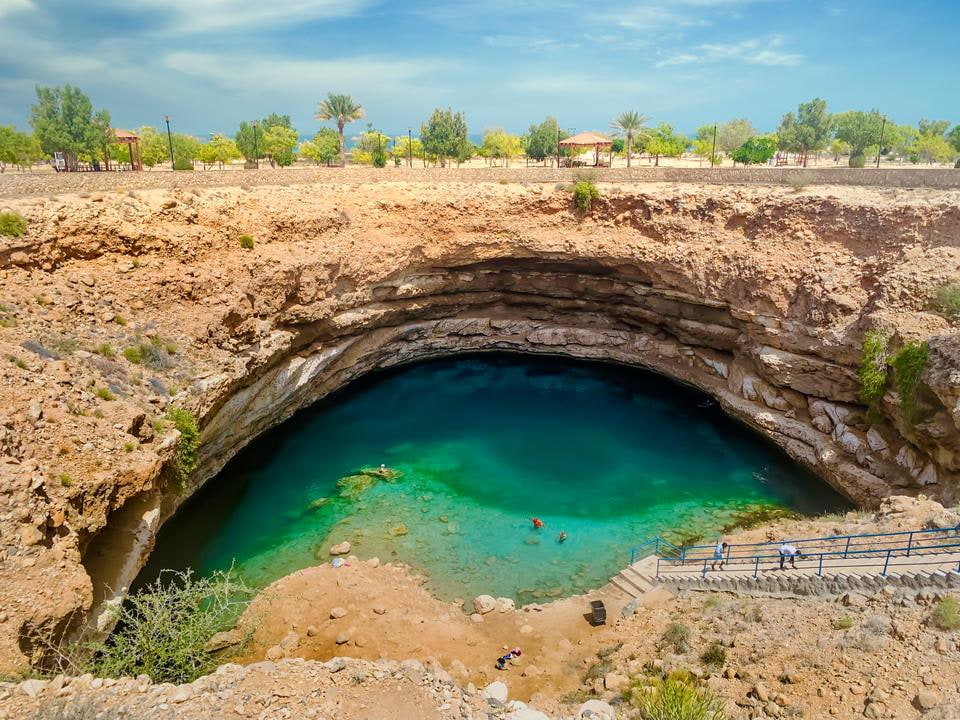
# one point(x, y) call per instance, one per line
point(631, 580)
point(617, 584)
point(637, 578)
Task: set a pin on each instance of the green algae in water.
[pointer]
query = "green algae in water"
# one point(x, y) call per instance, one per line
point(475, 447)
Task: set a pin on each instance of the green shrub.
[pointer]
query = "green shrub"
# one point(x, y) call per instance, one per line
point(713, 601)
point(105, 394)
point(129, 446)
point(676, 636)
point(120, 320)
point(608, 650)
point(873, 367)
point(162, 630)
point(585, 193)
point(675, 697)
point(184, 421)
point(105, 349)
point(946, 301)
point(908, 365)
point(857, 161)
point(843, 623)
point(182, 164)
point(379, 159)
point(715, 656)
point(65, 480)
point(153, 354)
point(946, 615)
point(12, 224)
point(246, 242)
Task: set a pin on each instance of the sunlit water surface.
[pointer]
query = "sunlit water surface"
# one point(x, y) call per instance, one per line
point(479, 445)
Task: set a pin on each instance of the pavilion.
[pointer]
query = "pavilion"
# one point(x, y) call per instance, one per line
point(131, 140)
point(588, 140)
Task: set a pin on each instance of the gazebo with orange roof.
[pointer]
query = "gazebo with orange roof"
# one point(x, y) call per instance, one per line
point(588, 140)
point(131, 140)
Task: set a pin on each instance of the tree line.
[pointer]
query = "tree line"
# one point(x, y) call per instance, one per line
point(63, 120)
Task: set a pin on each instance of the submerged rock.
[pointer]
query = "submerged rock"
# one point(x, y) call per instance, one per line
point(399, 530)
point(340, 548)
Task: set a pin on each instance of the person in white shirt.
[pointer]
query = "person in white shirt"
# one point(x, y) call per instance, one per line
point(719, 555)
point(788, 551)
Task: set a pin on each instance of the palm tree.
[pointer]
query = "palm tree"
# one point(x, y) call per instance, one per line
point(343, 110)
point(630, 124)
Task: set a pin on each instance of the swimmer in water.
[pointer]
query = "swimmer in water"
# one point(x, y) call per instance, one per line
point(383, 469)
point(562, 537)
point(537, 523)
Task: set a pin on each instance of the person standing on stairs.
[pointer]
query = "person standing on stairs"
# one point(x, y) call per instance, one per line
point(788, 551)
point(719, 555)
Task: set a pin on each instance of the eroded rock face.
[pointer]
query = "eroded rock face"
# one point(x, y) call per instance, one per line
point(757, 296)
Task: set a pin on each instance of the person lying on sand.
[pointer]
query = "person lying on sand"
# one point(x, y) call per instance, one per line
point(504, 659)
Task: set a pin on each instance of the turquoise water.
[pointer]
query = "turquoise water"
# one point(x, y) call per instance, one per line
point(479, 445)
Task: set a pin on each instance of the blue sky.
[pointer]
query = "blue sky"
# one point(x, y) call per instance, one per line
point(506, 63)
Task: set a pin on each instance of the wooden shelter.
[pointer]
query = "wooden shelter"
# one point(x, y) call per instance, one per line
point(132, 141)
point(588, 140)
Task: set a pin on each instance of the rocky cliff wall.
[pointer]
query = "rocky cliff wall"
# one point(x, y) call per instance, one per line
point(120, 306)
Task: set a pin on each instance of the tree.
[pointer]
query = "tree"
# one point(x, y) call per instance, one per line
point(255, 143)
point(808, 130)
point(218, 151)
point(664, 141)
point(278, 144)
point(406, 147)
point(444, 136)
point(324, 148)
point(342, 109)
point(370, 147)
point(933, 128)
point(541, 140)
point(755, 151)
point(629, 124)
point(501, 145)
point(734, 133)
point(953, 137)
point(932, 149)
point(63, 121)
point(703, 144)
point(860, 130)
point(18, 148)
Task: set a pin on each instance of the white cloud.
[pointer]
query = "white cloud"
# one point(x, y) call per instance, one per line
point(751, 52)
point(204, 15)
point(9, 7)
point(522, 41)
point(232, 71)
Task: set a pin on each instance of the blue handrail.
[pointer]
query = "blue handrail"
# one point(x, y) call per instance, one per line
point(918, 543)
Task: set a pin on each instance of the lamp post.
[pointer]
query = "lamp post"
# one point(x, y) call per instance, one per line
point(410, 147)
point(883, 126)
point(713, 152)
point(256, 153)
point(170, 142)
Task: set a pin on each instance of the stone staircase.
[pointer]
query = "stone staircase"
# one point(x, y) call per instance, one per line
point(813, 575)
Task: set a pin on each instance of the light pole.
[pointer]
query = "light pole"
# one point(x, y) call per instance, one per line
point(170, 142)
point(256, 153)
point(883, 126)
point(410, 147)
point(713, 152)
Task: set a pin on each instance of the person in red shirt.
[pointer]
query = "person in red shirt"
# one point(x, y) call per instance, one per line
point(537, 523)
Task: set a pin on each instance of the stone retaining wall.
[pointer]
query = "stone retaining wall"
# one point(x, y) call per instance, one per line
point(40, 183)
point(839, 584)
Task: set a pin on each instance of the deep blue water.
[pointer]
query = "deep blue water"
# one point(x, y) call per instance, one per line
point(480, 445)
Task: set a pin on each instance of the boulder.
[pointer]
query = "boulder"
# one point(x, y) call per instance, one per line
point(926, 700)
point(596, 710)
point(505, 604)
point(222, 640)
point(340, 548)
point(337, 612)
point(614, 681)
point(484, 604)
point(496, 692)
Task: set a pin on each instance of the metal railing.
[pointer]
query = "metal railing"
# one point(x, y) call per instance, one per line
point(839, 551)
